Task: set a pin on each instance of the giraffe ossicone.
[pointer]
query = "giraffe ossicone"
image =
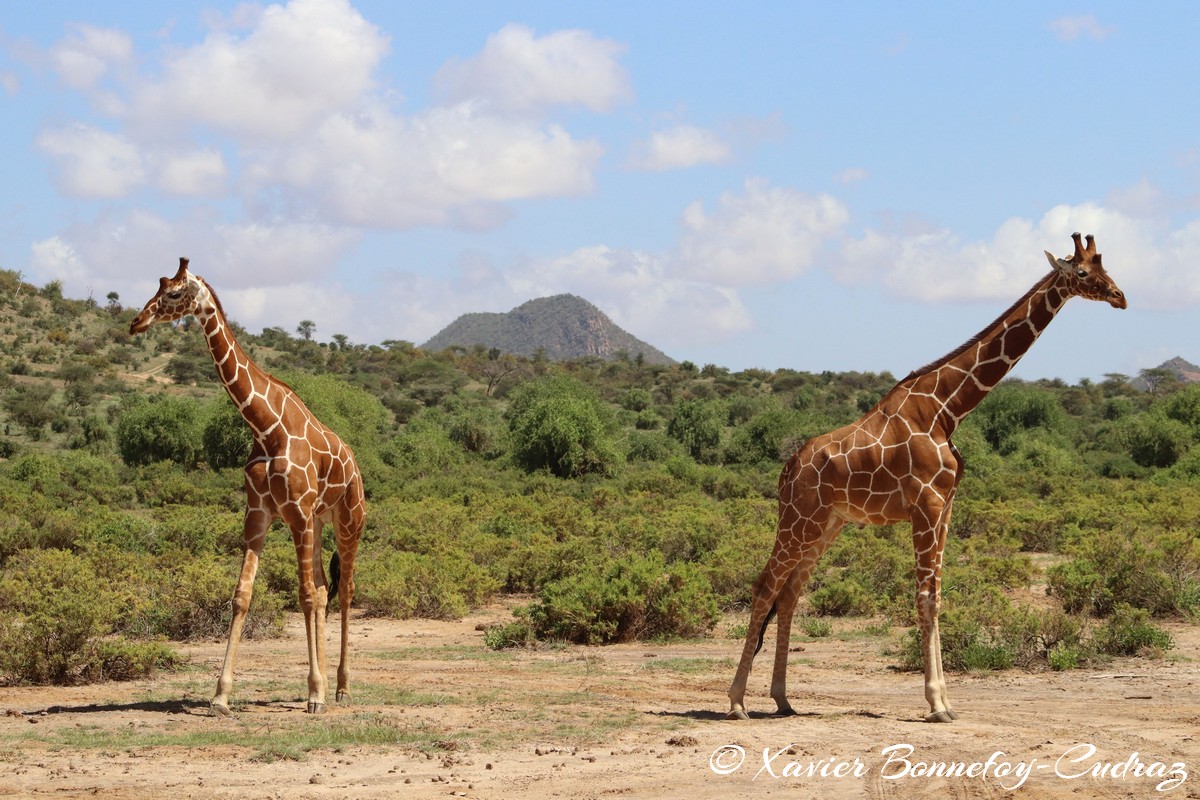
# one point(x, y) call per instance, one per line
point(897, 463)
point(298, 471)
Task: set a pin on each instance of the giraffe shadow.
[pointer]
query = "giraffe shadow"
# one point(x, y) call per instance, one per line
point(199, 708)
point(150, 706)
point(719, 716)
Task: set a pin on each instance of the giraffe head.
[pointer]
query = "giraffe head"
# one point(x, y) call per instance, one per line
point(176, 298)
point(1083, 275)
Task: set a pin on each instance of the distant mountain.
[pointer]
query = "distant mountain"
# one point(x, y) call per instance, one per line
point(1184, 371)
point(563, 327)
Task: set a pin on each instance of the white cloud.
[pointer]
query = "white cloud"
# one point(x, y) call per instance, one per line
point(84, 57)
point(1068, 29)
point(761, 236)
point(129, 251)
point(93, 163)
point(447, 166)
point(852, 176)
point(682, 146)
point(54, 259)
point(299, 63)
point(196, 172)
point(518, 72)
point(331, 307)
point(1150, 262)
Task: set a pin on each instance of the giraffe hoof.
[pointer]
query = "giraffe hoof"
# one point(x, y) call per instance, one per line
point(941, 716)
point(785, 711)
point(219, 710)
point(343, 696)
point(315, 708)
point(737, 713)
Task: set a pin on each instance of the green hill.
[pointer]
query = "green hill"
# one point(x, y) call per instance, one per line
point(562, 327)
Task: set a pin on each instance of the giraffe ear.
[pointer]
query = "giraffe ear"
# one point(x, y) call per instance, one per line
point(1056, 262)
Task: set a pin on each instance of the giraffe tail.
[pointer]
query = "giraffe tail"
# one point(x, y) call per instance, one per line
point(763, 630)
point(335, 575)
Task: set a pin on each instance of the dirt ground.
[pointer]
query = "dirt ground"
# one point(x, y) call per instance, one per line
point(436, 714)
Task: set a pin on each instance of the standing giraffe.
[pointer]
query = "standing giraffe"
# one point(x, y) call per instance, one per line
point(299, 471)
point(897, 463)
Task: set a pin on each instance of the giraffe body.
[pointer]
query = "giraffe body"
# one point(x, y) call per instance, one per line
point(897, 463)
point(298, 471)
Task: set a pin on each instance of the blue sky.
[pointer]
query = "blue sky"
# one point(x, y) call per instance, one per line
point(751, 185)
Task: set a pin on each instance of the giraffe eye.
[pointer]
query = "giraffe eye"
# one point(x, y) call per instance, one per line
point(1081, 273)
point(174, 295)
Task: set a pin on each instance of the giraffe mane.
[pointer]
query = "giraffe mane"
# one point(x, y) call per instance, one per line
point(974, 340)
point(217, 302)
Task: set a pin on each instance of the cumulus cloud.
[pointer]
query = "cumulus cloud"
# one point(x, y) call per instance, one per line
point(520, 72)
point(87, 54)
point(1086, 26)
point(681, 146)
point(1151, 262)
point(299, 63)
point(194, 172)
point(91, 162)
point(761, 236)
point(96, 254)
point(445, 166)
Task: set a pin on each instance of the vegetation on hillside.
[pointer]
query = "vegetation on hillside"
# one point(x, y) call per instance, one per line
point(618, 499)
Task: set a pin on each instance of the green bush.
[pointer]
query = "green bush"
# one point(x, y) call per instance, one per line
point(54, 610)
point(635, 597)
point(697, 425)
point(558, 424)
point(226, 437)
point(159, 428)
point(841, 598)
point(432, 586)
point(1129, 632)
point(123, 660)
point(1112, 568)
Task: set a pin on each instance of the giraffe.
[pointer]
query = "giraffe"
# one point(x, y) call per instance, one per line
point(298, 471)
point(897, 463)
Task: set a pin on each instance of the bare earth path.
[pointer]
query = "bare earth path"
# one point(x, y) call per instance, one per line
point(438, 715)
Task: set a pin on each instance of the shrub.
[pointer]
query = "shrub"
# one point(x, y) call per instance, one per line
point(226, 438)
point(158, 428)
point(1112, 568)
point(123, 660)
point(1129, 632)
point(558, 424)
point(768, 437)
point(194, 601)
point(841, 598)
point(697, 425)
point(518, 633)
point(439, 586)
point(53, 612)
point(1014, 407)
point(635, 597)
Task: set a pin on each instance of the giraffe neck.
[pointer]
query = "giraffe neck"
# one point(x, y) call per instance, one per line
point(247, 384)
point(958, 382)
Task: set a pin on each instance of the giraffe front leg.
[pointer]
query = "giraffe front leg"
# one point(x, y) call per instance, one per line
point(255, 528)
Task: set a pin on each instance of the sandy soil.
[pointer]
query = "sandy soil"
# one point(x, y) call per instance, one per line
point(436, 714)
